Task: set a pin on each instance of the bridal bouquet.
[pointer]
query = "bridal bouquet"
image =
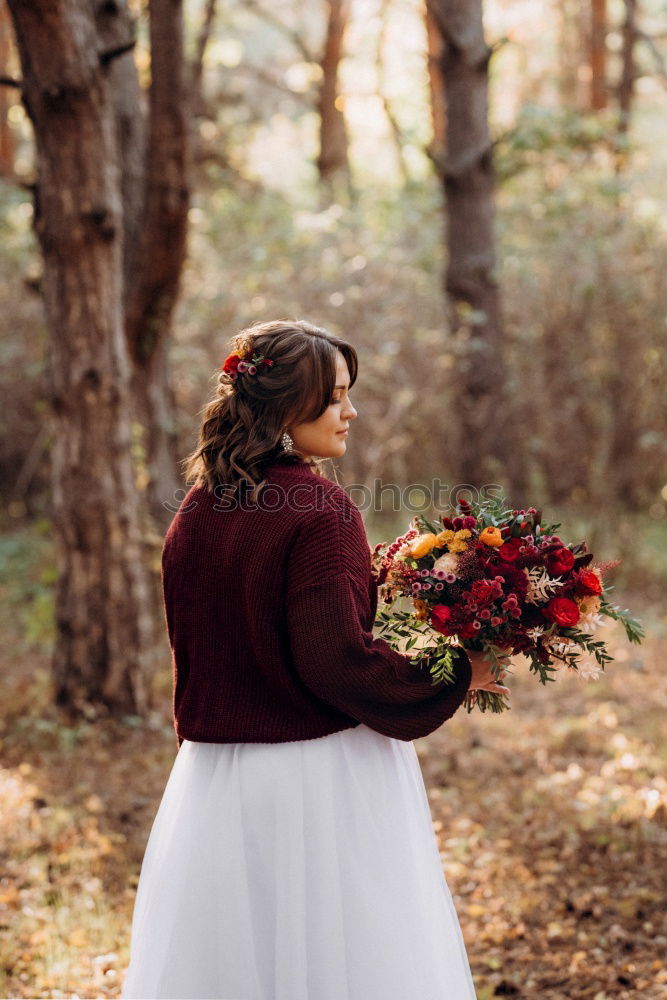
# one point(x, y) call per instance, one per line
point(498, 581)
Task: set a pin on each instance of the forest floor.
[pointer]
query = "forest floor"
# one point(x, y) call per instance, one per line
point(551, 821)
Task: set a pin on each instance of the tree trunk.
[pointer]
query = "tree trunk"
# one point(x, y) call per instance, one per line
point(598, 54)
point(115, 31)
point(160, 253)
point(332, 161)
point(105, 634)
point(467, 177)
point(436, 148)
point(573, 57)
point(6, 98)
point(626, 84)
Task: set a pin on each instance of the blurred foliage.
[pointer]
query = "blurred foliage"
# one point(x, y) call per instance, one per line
point(544, 136)
point(584, 303)
point(27, 577)
point(24, 417)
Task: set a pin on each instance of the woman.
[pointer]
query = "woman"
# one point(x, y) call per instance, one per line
point(292, 856)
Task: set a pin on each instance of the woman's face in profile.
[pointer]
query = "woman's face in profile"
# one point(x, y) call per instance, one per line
point(322, 438)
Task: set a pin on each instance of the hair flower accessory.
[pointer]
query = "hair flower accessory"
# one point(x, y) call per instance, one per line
point(235, 365)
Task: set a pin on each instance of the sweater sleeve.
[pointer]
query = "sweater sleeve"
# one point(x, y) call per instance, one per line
point(330, 622)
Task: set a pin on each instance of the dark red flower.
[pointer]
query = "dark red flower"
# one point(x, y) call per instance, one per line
point(562, 611)
point(482, 591)
point(559, 561)
point(441, 615)
point(588, 582)
point(515, 579)
point(509, 550)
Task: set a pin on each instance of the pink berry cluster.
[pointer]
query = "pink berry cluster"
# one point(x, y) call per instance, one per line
point(386, 560)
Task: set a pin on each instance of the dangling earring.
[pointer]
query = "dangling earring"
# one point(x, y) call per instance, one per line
point(287, 442)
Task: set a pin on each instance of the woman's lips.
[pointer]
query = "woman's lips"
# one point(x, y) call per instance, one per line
point(341, 432)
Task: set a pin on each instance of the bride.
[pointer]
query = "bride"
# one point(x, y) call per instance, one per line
point(292, 856)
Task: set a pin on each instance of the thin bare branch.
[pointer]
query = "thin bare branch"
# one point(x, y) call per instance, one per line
point(307, 98)
point(380, 69)
point(661, 65)
point(202, 43)
point(289, 33)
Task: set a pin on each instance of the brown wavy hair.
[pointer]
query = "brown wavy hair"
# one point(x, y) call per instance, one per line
point(242, 425)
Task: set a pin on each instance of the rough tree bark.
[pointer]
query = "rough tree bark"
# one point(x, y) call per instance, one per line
point(104, 639)
point(156, 265)
point(333, 162)
point(115, 31)
point(467, 176)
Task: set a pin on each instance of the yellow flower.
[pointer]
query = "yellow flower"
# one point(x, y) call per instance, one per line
point(457, 543)
point(421, 610)
point(453, 539)
point(491, 536)
point(422, 545)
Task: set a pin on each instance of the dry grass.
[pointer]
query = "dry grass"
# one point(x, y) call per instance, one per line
point(552, 822)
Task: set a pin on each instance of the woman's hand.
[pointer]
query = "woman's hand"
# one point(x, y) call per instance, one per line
point(482, 677)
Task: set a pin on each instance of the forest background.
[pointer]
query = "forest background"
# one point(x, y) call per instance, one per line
point(483, 215)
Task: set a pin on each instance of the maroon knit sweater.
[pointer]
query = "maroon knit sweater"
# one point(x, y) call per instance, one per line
point(270, 612)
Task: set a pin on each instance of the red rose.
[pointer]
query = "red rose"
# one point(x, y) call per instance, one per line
point(588, 582)
point(441, 616)
point(559, 561)
point(467, 631)
point(562, 611)
point(509, 550)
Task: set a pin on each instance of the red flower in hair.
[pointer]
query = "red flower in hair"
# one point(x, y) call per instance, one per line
point(231, 363)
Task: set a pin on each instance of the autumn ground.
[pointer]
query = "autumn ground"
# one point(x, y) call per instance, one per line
point(551, 819)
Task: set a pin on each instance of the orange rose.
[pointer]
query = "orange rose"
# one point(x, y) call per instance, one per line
point(422, 545)
point(491, 536)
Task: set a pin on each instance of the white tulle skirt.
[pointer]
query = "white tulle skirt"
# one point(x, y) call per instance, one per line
point(296, 871)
